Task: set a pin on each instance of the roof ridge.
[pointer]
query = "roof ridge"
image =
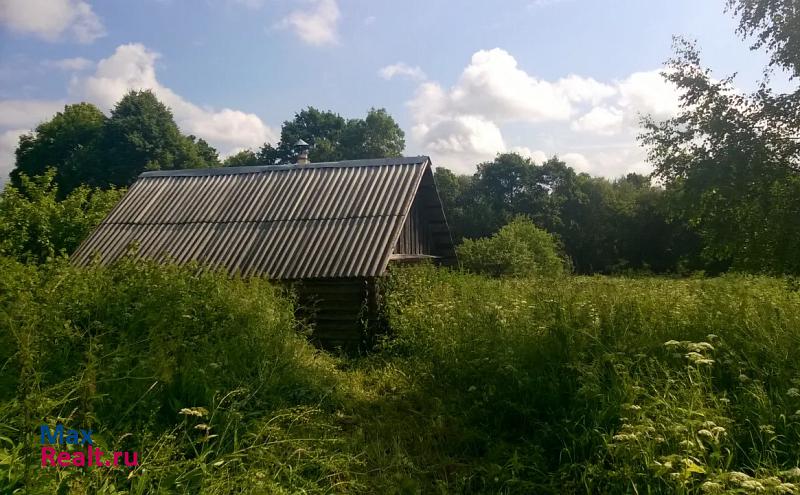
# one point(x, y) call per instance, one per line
point(274, 220)
point(205, 172)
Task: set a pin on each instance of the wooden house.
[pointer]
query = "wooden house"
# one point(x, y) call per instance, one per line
point(330, 229)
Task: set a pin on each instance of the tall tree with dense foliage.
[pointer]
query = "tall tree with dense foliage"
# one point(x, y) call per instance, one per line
point(731, 161)
point(375, 136)
point(69, 143)
point(501, 189)
point(84, 146)
point(141, 135)
point(333, 138)
point(648, 236)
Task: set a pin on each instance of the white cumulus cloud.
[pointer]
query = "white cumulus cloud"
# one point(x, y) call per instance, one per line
point(611, 161)
point(578, 161)
point(585, 89)
point(52, 20)
point(492, 85)
point(460, 142)
point(316, 24)
point(538, 156)
point(649, 93)
point(641, 93)
point(132, 67)
point(403, 70)
point(600, 120)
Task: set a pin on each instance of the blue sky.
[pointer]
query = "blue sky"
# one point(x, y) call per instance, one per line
point(464, 79)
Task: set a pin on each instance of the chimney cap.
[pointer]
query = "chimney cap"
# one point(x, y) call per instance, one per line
point(301, 144)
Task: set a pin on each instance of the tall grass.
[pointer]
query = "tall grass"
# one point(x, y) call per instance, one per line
point(531, 385)
point(611, 384)
point(124, 350)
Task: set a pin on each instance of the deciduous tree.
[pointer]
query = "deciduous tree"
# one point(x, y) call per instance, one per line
point(731, 163)
point(333, 138)
point(69, 143)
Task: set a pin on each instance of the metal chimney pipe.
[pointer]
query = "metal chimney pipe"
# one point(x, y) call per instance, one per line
point(302, 152)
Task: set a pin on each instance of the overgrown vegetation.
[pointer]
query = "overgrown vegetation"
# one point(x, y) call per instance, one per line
point(35, 226)
point(145, 354)
point(515, 385)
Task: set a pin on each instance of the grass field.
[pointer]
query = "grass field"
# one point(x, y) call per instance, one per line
point(533, 385)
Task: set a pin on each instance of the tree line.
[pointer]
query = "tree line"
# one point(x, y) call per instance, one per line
point(724, 193)
point(602, 225)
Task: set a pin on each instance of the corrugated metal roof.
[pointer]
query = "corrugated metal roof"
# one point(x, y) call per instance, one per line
point(337, 219)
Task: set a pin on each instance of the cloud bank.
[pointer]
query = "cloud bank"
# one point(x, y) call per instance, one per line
point(464, 124)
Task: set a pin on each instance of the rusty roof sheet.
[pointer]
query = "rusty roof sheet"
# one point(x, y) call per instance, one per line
point(339, 219)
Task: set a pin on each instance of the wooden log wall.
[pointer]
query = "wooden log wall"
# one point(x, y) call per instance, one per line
point(338, 309)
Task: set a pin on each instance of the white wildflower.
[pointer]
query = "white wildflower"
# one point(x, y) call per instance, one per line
point(768, 429)
point(697, 358)
point(792, 474)
point(624, 437)
point(752, 485)
point(200, 412)
point(701, 346)
point(738, 476)
point(705, 433)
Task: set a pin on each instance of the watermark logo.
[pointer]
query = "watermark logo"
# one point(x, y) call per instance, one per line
point(56, 450)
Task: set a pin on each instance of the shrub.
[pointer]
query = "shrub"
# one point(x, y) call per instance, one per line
point(518, 249)
point(36, 226)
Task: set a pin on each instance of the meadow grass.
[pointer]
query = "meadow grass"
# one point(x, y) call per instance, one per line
point(529, 385)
